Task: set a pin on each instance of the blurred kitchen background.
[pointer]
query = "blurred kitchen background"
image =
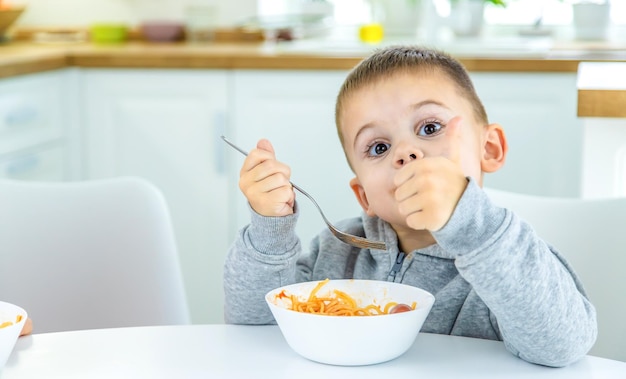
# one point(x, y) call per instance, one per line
point(428, 20)
point(77, 104)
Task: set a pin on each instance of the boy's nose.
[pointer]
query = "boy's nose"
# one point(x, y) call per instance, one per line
point(411, 157)
point(406, 154)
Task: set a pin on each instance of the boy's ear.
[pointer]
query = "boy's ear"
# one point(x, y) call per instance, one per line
point(361, 197)
point(494, 149)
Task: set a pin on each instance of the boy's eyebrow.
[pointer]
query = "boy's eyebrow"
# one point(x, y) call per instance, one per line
point(414, 107)
point(428, 102)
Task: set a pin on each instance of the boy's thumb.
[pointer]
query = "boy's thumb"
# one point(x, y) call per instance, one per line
point(266, 145)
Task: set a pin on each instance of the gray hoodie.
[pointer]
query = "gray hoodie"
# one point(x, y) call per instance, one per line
point(490, 273)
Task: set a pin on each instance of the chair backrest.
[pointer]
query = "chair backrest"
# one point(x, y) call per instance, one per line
point(591, 234)
point(91, 254)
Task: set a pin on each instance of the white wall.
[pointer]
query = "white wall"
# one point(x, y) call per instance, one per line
point(82, 13)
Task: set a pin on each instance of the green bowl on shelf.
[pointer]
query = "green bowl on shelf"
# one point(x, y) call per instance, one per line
point(108, 33)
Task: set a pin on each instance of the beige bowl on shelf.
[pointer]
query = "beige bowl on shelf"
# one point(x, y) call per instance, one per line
point(351, 340)
point(8, 16)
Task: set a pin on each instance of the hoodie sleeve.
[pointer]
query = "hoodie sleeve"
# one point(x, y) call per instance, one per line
point(539, 303)
point(261, 258)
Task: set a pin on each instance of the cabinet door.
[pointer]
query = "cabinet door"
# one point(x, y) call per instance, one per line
point(30, 111)
point(164, 126)
point(295, 111)
point(538, 113)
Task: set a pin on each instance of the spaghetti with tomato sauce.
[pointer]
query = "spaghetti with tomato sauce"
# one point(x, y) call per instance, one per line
point(4, 324)
point(339, 303)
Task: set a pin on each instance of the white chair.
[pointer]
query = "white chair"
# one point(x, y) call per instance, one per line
point(591, 234)
point(91, 254)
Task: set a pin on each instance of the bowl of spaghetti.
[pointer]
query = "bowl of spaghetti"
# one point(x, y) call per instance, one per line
point(350, 322)
point(12, 319)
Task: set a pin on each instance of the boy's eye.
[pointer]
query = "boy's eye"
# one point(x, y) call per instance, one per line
point(378, 149)
point(429, 128)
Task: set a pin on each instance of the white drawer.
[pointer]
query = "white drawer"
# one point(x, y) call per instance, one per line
point(31, 111)
point(44, 164)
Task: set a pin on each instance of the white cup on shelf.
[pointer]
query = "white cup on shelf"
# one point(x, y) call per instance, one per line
point(200, 22)
point(591, 20)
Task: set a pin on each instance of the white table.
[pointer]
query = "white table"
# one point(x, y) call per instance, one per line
point(230, 351)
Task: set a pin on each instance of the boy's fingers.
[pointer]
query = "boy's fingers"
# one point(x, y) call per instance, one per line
point(264, 151)
point(453, 134)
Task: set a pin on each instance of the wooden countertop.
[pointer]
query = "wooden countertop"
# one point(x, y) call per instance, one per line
point(24, 57)
point(602, 89)
point(19, 58)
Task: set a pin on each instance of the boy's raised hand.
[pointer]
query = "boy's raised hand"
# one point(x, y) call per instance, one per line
point(265, 182)
point(428, 189)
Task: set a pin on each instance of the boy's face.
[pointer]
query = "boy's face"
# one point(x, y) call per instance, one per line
point(394, 121)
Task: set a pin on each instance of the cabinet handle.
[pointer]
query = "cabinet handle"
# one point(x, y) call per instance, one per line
point(21, 165)
point(21, 116)
point(219, 122)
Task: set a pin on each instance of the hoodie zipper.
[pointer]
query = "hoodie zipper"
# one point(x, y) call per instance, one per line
point(397, 266)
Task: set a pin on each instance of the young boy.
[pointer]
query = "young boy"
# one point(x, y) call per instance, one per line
point(417, 138)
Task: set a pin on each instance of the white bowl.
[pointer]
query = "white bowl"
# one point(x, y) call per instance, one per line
point(351, 340)
point(9, 334)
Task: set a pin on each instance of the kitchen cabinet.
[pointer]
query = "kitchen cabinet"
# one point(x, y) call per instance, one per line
point(538, 113)
point(164, 125)
point(37, 130)
point(295, 111)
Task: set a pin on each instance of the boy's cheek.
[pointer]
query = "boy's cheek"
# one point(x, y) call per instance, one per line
point(471, 169)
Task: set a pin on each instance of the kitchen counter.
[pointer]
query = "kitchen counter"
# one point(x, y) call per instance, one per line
point(20, 59)
point(602, 89)
point(602, 107)
point(25, 57)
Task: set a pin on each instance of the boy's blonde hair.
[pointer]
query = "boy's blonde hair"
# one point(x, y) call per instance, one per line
point(386, 62)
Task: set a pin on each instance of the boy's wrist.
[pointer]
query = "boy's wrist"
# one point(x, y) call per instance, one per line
point(272, 235)
point(474, 221)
